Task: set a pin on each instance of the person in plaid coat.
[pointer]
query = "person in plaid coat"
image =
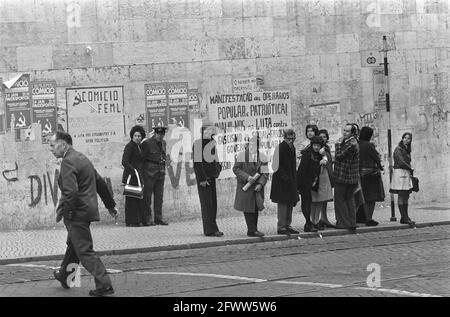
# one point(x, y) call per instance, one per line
point(346, 177)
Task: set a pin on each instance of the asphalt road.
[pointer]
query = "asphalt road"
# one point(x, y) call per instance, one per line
point(412, 262)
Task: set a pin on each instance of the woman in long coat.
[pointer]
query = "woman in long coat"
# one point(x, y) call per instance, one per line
point(401, 183)
point(370, 170)
point(326, 153)
point(308, 179)
point(135, 209)
point(251, 200)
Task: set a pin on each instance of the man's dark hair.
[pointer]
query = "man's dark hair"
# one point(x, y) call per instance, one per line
point(366, 133)
point(354, 129)
point(61, 135)
point(317, 140)
point(314, 127)
point(324, 131)
point(137, 128)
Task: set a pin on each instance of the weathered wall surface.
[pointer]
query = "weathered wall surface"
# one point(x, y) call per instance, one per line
point(312, 48)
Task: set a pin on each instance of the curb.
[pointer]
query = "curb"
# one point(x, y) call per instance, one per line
point(218, 243)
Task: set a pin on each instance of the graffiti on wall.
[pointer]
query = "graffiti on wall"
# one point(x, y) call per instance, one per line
point(43, 188)
point(11, 175)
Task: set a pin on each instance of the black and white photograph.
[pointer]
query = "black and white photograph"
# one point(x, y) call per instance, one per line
point(225, 155)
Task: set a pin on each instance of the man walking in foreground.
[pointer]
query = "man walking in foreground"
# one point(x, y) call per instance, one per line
point(79, 207)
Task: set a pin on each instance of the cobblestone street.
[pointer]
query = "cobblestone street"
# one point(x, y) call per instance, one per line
point(413, 262)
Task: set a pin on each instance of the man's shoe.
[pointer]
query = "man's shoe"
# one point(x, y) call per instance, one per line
point(283, 231)
point(255, 234)
point(215, 234)
point(372, 223)
point(292, 231)
point(132, 225)
point(148, 224)
point(161, 223)
point(352, 230)
point(99, 292)
point(309, 228)
point(319, 227)
point(326, 224)
point(61, 278)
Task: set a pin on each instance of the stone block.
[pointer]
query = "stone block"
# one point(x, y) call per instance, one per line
point(210, 8)
point(31, 58)
point(261, 47)
point(71, 56)
point(374, 41)
point(205, 50)
point(256, 8)
point(292, 46)
point(346, 7)
point(233, 48)
point(230, 27)
point(258, 27)
point(102, 54)
point(405, 40)
point(321, 25)
point(191, 28)
point(348, 24)
point(321, 45)
point(216, 68)
point(279, 8)
point(243, 67)
point(162, 29)
point(321, 8)
point(232, 8)
point(8, 59)
point(346, 43)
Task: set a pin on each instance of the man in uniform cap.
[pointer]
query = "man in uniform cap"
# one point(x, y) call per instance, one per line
point(154, 154)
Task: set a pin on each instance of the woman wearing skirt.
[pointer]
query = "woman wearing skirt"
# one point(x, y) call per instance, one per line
point(401, 178)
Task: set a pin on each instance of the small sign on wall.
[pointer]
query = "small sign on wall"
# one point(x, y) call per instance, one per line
point(95, 115)
point(43, 104)
point(371, 59)
point(17, 100)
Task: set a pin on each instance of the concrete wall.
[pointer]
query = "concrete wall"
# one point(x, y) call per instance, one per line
point(312, 48)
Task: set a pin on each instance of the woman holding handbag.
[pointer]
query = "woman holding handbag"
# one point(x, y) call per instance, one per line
point(401, 177)
point(133, 162)
point(370, 171)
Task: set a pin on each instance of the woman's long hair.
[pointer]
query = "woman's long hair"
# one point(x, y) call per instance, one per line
point(365, 134)
point(402, 145)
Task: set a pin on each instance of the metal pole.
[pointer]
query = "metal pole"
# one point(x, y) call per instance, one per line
point(389, 134)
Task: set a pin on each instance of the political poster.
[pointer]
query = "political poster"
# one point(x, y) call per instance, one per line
point(327, 116)
point(238, 117)
point(379, 89)
point(17, 103)
point(2, 110)
point(194, 102)
point(249, 84)
point(43, 105)
point(156, 105)
point(95, 115)
point(177, 96)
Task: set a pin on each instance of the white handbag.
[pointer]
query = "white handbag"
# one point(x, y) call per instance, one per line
point(133, 190)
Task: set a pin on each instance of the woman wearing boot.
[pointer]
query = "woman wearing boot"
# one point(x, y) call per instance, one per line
point(370, 171)
point(401, 177)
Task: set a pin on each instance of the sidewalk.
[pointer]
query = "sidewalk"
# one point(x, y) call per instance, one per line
point(49, 244)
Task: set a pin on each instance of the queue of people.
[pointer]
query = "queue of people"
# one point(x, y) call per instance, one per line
point(351, 179)
point(355, 174)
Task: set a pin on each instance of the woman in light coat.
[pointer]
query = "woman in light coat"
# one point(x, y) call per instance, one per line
point(249, 164)
point(401, 177)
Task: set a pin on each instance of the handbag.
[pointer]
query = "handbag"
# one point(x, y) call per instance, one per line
point(415, 184)
point(369, 171)
point(134, 191)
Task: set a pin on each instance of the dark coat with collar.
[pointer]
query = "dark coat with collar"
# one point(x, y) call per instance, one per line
point(284, 180)
point(78, 184)
point(132, 159)
point(308, 171)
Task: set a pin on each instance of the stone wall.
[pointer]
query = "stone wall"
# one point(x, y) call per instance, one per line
point(316, 49)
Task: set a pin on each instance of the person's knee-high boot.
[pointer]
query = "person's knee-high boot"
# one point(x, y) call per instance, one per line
point(403, 216)
point(410, 222)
